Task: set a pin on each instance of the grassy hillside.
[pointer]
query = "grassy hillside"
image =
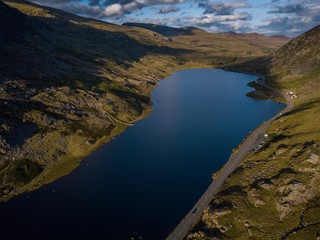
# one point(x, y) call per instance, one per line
point(69, 84)
point(163, 30)
point(275, 193)
point(275, 40)
point(216, 50)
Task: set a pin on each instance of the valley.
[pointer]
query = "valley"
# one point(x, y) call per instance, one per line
point(70, 84)
point(73, 84)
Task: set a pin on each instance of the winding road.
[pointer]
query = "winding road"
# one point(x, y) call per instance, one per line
point(248, 147)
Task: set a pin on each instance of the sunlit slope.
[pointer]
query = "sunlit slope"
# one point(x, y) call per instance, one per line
point(274, 194)
point(297, 63)
point(261, 39)
point(217, 49)
point(163, 30)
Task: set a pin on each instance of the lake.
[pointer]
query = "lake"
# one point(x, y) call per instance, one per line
point(140, 185)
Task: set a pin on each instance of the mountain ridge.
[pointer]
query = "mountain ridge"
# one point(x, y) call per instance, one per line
point(163, 30)
point(201, 38)
point(277, 40)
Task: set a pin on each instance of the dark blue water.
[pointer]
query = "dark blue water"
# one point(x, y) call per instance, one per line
point(147, 179)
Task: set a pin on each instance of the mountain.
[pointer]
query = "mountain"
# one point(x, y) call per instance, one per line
point(217, 49)
point(274, 193)
point(163, 30)
point(275, 40)
point(69, 84)
point(12, 24)
point(200, 37)
point(298, 57)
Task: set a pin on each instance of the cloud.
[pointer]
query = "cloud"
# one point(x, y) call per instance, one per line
point(222, 26)
point(94, 2)
point(75, 7)
point(114, 9)
point(208, 22)
point(279, 22)
point(223, 16)
point(168, 9)
point(289, 17)
point(212, 20)
point(283, 25)
point(294, 18)
point(222, 8)
point(291, 8)
point(54, 2)
point(126, 7)
point(84, 10)
point(108, 8)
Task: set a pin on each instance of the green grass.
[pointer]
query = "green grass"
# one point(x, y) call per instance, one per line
point(280, 188)
point(23, 171)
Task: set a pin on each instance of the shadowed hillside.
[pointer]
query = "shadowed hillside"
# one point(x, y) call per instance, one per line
point(69, 84)
point(66, 83)
point(278, 193)
point(12, 24)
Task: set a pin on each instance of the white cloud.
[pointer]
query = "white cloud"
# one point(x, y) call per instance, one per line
point(211, 19)
point(238, 25)
point(168, 9)
point(289, 17)
point(222, 8)
point(130, 6)
point(292, 18)
point(114, 9)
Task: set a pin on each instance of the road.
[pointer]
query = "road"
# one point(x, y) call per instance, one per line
point(251, 142)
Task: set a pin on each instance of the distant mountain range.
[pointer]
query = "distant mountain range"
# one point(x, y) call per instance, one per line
point(163, 30)
point(275, 40)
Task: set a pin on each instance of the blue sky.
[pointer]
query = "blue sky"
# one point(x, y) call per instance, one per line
point(271, 17)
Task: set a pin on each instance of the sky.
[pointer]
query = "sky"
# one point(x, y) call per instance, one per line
point(270, 17)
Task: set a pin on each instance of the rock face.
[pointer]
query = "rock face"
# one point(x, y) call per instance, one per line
point(280, 184)
point(274, 200)
point(299, 55)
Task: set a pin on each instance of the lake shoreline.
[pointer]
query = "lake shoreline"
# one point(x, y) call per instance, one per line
point(67, 163)
point(242, 151)
point(159, 155)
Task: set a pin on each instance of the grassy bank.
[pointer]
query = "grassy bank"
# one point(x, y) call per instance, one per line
point(274, 193)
